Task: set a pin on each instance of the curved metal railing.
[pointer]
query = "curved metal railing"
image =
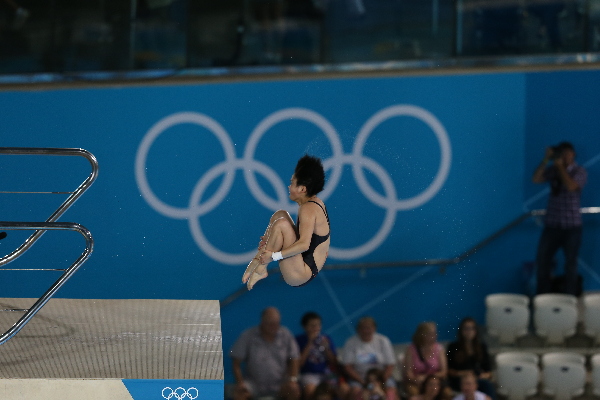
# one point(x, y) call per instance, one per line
point(68, 272)
point(73, 196)
point(50, 224)
point(442, 262)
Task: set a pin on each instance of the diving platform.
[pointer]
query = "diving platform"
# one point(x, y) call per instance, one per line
point(158, 347)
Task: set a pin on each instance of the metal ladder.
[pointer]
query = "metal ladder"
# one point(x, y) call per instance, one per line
point(49, 225)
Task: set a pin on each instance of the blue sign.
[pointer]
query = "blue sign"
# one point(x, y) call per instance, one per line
point(189, 175)
point(159, 389)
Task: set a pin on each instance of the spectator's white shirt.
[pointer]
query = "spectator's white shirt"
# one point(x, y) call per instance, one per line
point(378, 353)
point(478, 396)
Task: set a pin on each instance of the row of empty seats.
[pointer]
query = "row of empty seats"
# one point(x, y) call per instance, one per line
point(562, 374)
point(555, 316)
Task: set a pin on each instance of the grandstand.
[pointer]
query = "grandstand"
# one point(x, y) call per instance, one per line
point(580, 343)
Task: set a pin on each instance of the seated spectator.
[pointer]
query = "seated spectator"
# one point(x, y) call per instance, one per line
point(469, 354)
point(318, 359)
point(424, 357)
point(468, 389)
point(324, 391)
point(270, 355)
point(433, 388)
point(365, 350)
point(374, 386)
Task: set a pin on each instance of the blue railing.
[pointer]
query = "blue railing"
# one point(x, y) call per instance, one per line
point(440, 262)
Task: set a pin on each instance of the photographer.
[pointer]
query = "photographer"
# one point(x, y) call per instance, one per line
point(562, 223)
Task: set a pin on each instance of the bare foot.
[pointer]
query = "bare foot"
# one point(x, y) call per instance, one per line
point(260, 272)
point(250, 269)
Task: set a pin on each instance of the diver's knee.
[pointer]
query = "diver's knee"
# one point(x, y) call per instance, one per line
point(281, 223)
point(279, 214)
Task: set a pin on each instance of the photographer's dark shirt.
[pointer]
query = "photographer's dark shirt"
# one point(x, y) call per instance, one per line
point(563, 205)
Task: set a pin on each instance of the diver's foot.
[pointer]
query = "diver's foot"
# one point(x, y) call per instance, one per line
point(250, 269)
point(260, 272)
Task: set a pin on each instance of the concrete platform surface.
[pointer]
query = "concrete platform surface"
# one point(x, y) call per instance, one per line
point(114, 339)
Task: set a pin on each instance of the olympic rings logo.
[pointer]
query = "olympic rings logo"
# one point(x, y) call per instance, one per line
point(180, 393)
point(250, 167)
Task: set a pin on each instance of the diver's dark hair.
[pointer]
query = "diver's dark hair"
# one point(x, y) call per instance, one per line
point(309, 172)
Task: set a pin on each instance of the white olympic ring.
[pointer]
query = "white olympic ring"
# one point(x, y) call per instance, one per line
point(180, 393)
point(231, 164)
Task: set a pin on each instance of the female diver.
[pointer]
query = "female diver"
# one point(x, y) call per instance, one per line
point(300, 247)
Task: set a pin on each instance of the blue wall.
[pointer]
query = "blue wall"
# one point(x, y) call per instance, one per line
point(418, 167)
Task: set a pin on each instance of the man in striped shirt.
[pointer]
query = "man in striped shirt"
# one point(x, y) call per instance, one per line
point(562, 224)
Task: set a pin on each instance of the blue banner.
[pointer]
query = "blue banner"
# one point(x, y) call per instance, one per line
point(150, 389)
point(189, 175)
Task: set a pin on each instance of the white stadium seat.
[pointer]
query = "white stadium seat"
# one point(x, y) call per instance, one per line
point(507, 316)
point(591, 316)
point(517, 374)
point(517, 357)
point(595, 361)
point(555, 316)
point(563, 375)
point(563, 356)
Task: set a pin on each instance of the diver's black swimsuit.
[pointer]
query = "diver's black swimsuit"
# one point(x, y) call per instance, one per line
point(315, 240)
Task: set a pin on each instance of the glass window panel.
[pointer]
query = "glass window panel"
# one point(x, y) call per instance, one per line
point(70, 36)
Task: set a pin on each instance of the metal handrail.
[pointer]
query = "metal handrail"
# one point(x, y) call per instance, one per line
point(66, 204)
point(463, 256)
point(50, 224)
point(42, 227)
point(443, 262)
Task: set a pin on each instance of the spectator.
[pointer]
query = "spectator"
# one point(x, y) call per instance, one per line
point(469, 355)
point(424, 357)
point(270, 354)
point(317, 354)
point(433, 388)
point(365, 350)
point(324, 391)
point(374, 386)
point(468, 389)
point(562, 224)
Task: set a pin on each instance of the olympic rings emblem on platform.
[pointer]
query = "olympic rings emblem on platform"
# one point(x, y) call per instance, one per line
point(251, 167)
point(180, 393)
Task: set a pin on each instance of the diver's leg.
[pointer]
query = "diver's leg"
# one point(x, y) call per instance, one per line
point(281, 214)
point(282, 235)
